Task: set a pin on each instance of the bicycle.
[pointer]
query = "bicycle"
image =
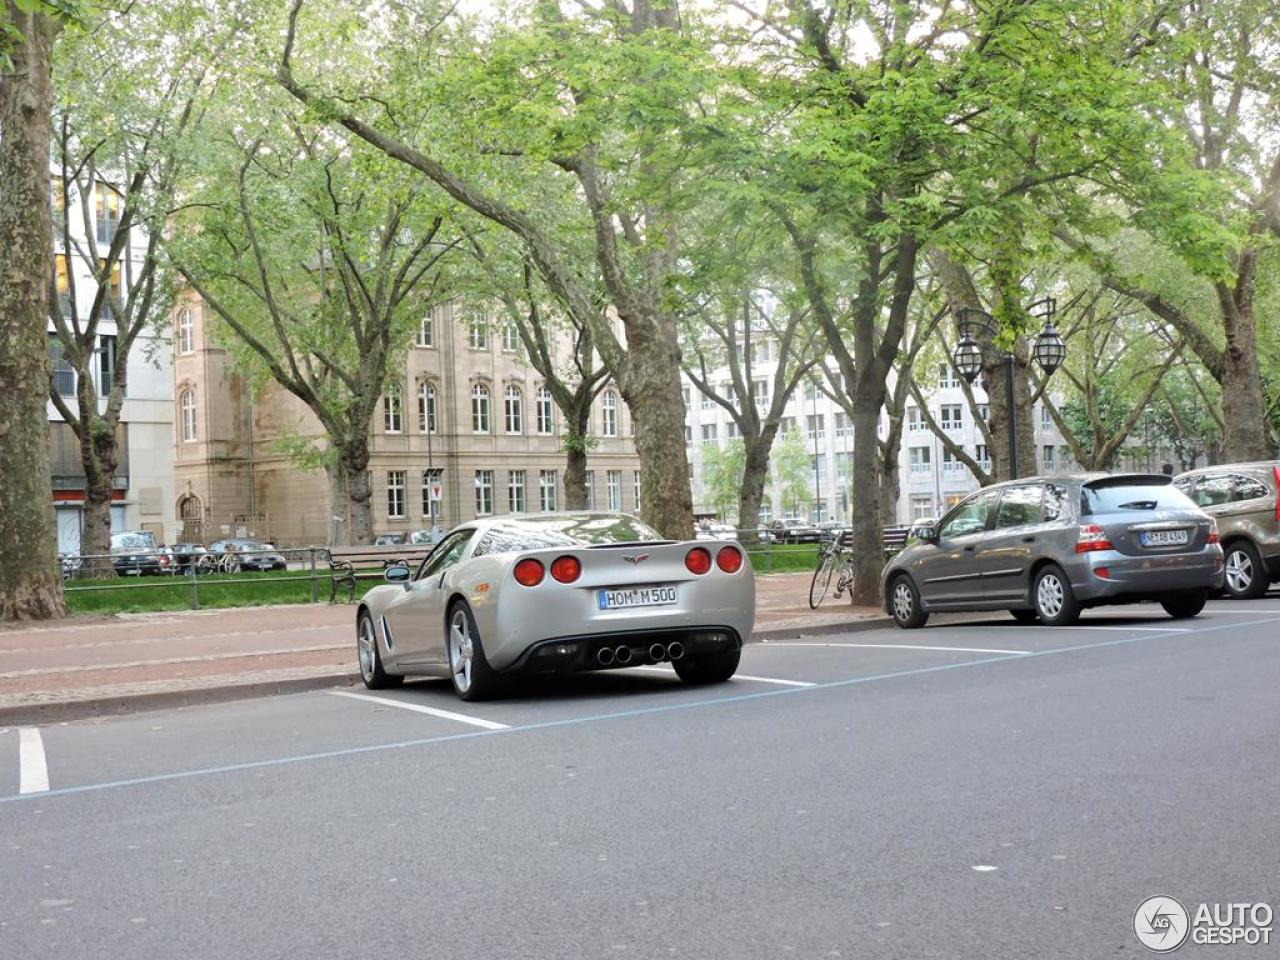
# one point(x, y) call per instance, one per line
point(832, 557)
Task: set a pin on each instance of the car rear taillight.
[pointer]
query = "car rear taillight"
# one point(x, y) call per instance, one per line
point(729, 559)
point(1275, 473)
point(566, 569)
point(697, 560)
point(1092, 537)
point(1213, 531)
point(529, 572)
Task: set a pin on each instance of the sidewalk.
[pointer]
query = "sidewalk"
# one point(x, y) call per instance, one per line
point(93, 666)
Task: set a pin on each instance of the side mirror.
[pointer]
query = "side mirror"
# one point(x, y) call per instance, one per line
point(927, 534)
point(397, 573)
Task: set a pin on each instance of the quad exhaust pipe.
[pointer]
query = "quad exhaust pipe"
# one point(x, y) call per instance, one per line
point(604, 656)
point(622, 654)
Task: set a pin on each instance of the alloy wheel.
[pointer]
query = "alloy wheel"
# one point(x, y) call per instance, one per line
point(364, 646)
point(1049, 596)
point(903, 601)
point(1239, 571)
point(461, 651)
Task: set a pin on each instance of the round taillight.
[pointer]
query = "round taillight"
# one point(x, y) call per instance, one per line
point(698, 560)
point(529, 572)
point(566, 569)
point(729, 559)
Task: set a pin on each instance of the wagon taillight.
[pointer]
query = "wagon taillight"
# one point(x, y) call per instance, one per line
point(697, 560)
point(566, 569)
point(529, 572)
point(1093, 537)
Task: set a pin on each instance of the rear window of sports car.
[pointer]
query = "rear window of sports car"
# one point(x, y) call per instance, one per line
point(536, 534)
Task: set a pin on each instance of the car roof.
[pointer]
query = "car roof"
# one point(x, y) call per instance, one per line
point(1262, 465)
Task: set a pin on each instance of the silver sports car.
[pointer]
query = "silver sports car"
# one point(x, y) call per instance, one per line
point(557, 593)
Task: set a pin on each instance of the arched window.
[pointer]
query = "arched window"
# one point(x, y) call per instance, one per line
point(609, 405)
point(427, 408)
point(480, 408)
point(187, 406)
point(186, 332)
point(515, 410)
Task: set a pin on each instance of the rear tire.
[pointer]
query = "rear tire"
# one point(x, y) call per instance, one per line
point(708, 667)
point(821, 580)
point(1246, 577)
point(1056, 604)
point(370, 658)
point(904, 601)
point(473, 679)
point(1183, 606)
point(1025, 616)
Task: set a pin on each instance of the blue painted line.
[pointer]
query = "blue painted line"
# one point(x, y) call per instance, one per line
point(617, 715)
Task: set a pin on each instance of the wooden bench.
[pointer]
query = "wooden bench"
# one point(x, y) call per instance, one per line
point(894, 539)
point(347, 565)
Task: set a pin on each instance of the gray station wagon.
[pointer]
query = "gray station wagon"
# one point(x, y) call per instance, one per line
point(1047, 547)
point(1245, 500)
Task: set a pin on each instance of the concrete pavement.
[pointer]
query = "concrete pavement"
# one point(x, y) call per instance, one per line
point(980, 790)
point(101, 666)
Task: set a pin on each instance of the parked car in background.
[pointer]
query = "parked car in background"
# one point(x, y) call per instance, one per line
point(557, 593)
point(251, 554)
point(1045, 548)
point(134, 553)
point(716, 531)
point(795, 530)
point(1245, 500)
point(390, 539)
point(423, 537)
point(185, 557)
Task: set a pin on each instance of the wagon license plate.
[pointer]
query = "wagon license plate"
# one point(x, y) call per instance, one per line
point(635, 597)
point(1163, 538)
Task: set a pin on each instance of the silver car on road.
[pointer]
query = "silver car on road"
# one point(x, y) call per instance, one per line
point(557, 593)
point(1046, 547)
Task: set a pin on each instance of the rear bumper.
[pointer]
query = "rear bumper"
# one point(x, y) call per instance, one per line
point(1135, 577)
point(578, 653)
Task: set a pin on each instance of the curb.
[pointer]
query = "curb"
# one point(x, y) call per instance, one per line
point(63, 711)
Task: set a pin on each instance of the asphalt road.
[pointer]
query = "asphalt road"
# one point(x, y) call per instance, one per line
point(984, 790)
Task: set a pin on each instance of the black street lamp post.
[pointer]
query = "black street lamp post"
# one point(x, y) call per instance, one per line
point(1048, 351)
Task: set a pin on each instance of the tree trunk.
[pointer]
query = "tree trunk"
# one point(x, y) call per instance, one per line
point(95, 536)
point(995, 371)
point(30, 580)
point(354, 461)
point(575, 456)
point(890, 487)
point(1243, 405)
point(339, 513)
point(755, 474)
point(864, 511)
point(652, 390)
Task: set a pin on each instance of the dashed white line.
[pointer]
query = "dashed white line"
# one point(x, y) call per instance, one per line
point(418, 708)
point(895, 646)
point(739, 676)
point(33, 770)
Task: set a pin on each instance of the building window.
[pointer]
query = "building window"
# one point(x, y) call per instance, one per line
point(1046, 419)
point(984, 412)
point(430, 478)
point(707, 402)
point(392, 411)
point(709, 433)
point(761, 352)
point(187, 406)
point(844, 465)
point(547, 490)
point(635, 490)
point(731, 429)
point(818, 469)
point(811, 390)
point(106, 363)
point(395, 494)
point(107, 212)
point(760, 392)
point(516, 501)
point(816, 426)
point(546, 412)
point(480, 408)
point(609, 409)
point(915, 419)
point(950, 464)
point(982, 453)
point(62, 282)
point(514, 410)
point(613, 490)
point(1047, 456)
point(113, 305)
point(591, 489)
point(510, 338)
point(947, 376)
point(427, 330)
point(484, 493)
point(920, 460)
point(186, 332)
point(844, 428)
point(950, 416)
point(921, 507)
point(684, 395)
point(478, 332)
point(426, 408)
point(786, 425)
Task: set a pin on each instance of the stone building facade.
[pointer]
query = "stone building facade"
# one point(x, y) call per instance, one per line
point(468, 427)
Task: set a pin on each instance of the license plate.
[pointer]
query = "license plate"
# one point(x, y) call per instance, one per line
point(635, 597)
point(1163, 538)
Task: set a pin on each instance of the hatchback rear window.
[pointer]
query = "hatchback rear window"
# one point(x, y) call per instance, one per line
point(1136, 497)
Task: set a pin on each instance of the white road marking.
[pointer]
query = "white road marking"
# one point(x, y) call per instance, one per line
point(738, 676)
point(1090, 626)
point(33, 771)
point(984, 867)
point(897, 646)
point(418, 708)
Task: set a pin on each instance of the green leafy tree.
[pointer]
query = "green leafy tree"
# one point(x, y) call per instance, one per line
point(791, 469)
point(722, 470)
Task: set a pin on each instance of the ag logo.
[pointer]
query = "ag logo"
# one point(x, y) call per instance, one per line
point(1161, 924)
